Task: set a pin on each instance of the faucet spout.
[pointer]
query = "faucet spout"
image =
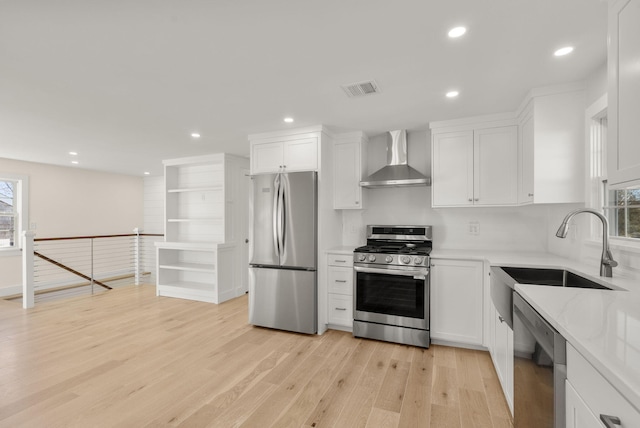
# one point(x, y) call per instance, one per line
point(606, 260)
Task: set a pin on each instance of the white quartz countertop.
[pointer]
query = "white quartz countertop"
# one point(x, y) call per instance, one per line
point(343, 249)
point(603, 325)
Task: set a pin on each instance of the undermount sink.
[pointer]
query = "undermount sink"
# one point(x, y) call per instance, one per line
point(553, 277)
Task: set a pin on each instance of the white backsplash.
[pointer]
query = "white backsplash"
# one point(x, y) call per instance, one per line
point(523, 228)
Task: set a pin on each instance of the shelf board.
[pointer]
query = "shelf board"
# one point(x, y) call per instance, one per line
point(195, 267)
point(195, 189)
point(195, 220)
point(190, 285)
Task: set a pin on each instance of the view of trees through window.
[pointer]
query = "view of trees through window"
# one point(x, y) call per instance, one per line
point(7, 213)
point(624, 213)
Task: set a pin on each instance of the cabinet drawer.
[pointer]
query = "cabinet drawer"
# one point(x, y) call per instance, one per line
point(341, 280)
point(345, 260)
point(599, 395)
point(340, 310)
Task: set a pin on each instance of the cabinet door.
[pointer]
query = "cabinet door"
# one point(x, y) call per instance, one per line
point(457, 301)
point(496, 166)
point(578, 414)
point(266, 157)
point(624, 92)
point(526, 161)
point(301, 155)
point(347, 193)
point(452, 169)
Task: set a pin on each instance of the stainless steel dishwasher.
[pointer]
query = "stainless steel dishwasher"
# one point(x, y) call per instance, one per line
point(540, 370)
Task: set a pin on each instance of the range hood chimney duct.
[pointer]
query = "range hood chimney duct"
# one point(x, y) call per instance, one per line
point(397, 172)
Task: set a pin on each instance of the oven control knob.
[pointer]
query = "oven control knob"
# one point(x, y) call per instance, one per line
point(417, 260)
point(372, 258)
point(361, 257)
point(405, 259)
point(388, 259)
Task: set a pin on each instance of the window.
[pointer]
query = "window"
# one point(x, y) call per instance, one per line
point(13, 212)
point(8, 213)
point(621, 207)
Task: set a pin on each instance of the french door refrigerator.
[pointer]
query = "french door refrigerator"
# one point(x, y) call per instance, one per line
point(282, 267)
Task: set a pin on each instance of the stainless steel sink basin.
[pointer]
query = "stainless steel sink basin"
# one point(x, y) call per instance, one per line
point(504, 280)
point(554, 277)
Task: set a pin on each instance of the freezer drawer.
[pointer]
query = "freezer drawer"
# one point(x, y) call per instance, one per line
point(283, 299)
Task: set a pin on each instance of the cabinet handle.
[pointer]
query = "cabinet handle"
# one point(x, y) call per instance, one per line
point(500, 318)
point(470, 200)
point(357, 202)
point(610, 421)
point(341, 280)
point(340, 261)
point(341, 309)
point(530, 194)
point(476, 199)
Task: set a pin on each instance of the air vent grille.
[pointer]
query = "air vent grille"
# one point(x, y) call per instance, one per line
point(361, 89)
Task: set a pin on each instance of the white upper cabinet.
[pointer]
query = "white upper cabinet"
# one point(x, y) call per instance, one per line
point(623, 163)
point(551, 152)
point(496, 166)
point(475, 162)
point(452, 169)
point(300, 153)
point(348, 152)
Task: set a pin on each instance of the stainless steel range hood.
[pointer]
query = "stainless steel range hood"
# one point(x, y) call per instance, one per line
point(397, 172)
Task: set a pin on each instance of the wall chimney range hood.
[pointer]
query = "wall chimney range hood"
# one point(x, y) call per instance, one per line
point(397, 172)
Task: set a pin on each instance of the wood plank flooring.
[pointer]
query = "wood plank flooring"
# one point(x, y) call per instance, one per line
point(127, 358)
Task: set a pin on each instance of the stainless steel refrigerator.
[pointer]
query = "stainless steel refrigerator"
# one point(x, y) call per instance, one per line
point(282, 267)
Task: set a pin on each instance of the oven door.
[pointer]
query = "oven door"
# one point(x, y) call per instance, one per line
point(396, 296)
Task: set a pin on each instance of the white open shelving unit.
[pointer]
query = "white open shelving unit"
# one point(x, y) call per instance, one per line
point(199, 259)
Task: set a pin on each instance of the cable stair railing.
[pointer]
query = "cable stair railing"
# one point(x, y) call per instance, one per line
point(75, 264)
point(73, 271)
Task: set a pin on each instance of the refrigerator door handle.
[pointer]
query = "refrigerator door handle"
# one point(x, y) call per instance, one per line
point(282, 214)
point(274, 215)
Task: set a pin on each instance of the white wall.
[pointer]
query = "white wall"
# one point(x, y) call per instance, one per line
point(73, 202)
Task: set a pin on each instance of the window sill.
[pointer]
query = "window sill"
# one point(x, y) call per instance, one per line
point(620, 244)
point(10, 252)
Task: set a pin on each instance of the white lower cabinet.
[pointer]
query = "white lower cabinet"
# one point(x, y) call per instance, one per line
point(457, 290)
point(340, 290)
point(590, 396)
point(578, 413)
point(501, 350)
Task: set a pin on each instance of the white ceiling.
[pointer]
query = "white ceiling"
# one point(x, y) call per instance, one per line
point(124, 83)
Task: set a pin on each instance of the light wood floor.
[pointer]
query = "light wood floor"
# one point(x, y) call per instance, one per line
point(127, 358)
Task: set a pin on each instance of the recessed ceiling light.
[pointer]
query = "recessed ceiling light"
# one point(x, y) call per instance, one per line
point(457, 32)
point(452, 94)
point(288, 119)
point(74, 162)
point(147, 173)
point(195, 135)
point(563, 51)
point(73, 153)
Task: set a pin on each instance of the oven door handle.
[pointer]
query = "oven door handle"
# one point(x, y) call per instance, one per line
point(416, 274)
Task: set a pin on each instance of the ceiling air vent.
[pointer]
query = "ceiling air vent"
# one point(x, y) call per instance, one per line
point(361, 89)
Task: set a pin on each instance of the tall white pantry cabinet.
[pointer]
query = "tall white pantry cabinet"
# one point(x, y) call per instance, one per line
point(204, 255)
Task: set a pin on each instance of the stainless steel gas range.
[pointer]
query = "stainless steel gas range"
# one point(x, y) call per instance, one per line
point(391, 285)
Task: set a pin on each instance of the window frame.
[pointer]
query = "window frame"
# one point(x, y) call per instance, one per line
point(21, 207)
point(598, 191)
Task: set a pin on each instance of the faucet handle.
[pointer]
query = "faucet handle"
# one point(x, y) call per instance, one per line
point(610, 262)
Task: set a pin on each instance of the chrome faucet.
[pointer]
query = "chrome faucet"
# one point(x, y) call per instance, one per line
point(606, 261)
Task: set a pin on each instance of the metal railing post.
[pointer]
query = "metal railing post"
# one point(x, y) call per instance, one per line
point(92, 266)
point(137, 255)
point(28, 293)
